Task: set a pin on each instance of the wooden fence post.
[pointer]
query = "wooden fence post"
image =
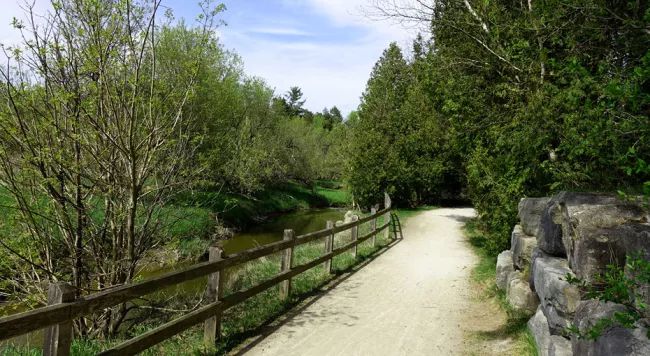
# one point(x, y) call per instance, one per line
point(329, 245)
point(387, 204)
point(287, 263)
point(354, 232)
point(373, 226)
point(216, 282)
point(58, 338)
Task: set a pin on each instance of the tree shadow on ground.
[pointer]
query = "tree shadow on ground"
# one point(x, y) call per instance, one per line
point(303, 301)
point(460, 218)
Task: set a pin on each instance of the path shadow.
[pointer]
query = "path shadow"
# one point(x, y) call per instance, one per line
point(266, 330)
point(460, 218)
point(397, 227)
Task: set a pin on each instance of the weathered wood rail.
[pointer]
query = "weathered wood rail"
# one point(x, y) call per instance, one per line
point(57, 317)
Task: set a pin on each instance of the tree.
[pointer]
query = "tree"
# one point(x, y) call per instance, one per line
point(294, 103)
point(337, 117)
point(95, 139)
point(308, 116)
point(353, 118)
point(328, 119)
point(526, 104)
point(373, 169)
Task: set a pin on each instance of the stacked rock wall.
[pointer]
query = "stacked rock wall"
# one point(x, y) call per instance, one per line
point(575, 234)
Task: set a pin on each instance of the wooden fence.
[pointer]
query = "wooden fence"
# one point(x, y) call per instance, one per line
point(62, 308)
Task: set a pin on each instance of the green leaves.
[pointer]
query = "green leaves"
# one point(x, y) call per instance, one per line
point(400, 141)
point(617, 285)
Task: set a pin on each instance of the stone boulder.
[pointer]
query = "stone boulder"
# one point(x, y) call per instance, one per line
point(504, 268)
point(537, 253)
point(512, 276)
point(596, 230)
point(538, 326)
point(592, 249)
point(615, 341)
point(530, 210)
point(549, 232)
point(520, 297)
point(522, 247)
point(558, 299)
point(559, 346)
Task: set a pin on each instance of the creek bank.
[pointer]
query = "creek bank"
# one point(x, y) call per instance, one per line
point(301, 222)
point(578, 235)
point(204, 217)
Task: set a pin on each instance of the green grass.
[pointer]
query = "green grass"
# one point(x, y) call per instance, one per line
point(240, 211)
point(405, 214)
point(245, 320)
point(484, 277)
point(332, 184)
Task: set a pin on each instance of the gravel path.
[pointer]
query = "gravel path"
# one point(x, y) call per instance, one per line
point(411, 300)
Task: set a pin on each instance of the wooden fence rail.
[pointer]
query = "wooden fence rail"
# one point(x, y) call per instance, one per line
point(57, 318)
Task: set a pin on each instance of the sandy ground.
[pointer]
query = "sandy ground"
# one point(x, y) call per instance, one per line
point(414, 299)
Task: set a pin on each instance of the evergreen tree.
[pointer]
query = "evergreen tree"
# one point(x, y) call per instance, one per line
point(294, 101)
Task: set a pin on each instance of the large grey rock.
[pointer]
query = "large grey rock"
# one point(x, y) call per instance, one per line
point(522, 247)
point(504, 268)
point(530, 210)
point(511, 277)
point(549, 232)
point(520, 297)
point(538, 326)
point(559, 299)
point(558, 321)
point(615, 341)
point(559, 346)
point(596, 229)
point(592, 248)
point(537, 253)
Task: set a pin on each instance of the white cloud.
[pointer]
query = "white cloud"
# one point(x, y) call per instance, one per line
point(353, 13)
point(280, 31)
point(330, 73)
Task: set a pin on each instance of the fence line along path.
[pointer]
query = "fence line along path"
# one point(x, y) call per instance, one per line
point(63, 308)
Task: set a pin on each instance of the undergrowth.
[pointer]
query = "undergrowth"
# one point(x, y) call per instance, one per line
point(484, 278)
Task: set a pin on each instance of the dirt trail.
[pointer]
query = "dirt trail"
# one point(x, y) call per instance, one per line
point(412, 300)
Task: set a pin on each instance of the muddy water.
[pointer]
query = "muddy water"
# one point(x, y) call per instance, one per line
point(272, 231)
point(301, 222)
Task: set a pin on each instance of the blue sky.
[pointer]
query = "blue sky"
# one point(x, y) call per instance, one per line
point(323, 46)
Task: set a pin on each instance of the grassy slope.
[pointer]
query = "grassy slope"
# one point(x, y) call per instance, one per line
point(191, 216)
point(240, 211)
point(484, 278)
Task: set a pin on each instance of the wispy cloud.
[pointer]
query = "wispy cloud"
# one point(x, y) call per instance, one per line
point(280, 31)
point(332, 65)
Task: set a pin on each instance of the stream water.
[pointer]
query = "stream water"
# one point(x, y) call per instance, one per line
point(272, 231)
point(301, 222)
